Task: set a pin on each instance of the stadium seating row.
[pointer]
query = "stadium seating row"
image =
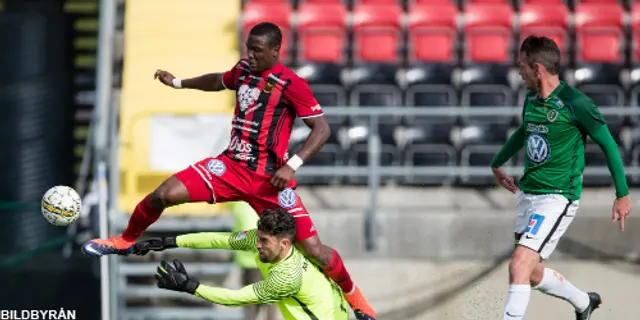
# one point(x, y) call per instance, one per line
point(436, 32)
point(437, 144)
point(461, 3)
point(353, 56)
point(426, 86)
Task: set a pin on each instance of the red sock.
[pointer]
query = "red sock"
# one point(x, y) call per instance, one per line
point(338, 273)
point(143, 216)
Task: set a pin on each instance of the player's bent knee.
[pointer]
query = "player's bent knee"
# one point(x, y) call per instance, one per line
point(315, 250)
point(171, 192)
point(522, 263)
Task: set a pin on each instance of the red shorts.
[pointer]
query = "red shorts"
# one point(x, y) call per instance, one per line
point(221, 179)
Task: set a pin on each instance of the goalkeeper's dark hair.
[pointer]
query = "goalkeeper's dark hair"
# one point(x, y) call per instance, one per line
point(273, 33)
point(279, 223)
point(544, 51)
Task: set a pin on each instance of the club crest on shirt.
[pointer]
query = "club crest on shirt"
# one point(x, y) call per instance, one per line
point(552, 115)
point(268, 87)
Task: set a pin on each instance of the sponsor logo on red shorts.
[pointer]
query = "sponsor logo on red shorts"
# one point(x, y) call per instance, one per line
point(287, 198)
point(216, 167)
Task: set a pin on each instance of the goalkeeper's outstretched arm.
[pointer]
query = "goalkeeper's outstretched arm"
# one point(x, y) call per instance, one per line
point(242, 241)
point(275, 287)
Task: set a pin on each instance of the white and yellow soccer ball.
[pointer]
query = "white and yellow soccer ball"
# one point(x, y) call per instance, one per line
point(61, 206)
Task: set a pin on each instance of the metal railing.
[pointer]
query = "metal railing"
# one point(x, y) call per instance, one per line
point(373, 171)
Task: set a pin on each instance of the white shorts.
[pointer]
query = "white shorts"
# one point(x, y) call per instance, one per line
point(542, 220)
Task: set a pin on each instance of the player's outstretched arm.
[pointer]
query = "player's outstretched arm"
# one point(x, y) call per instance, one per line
point(602, 136)
point(240, 241)
point(589, 119)
point(243, 241)
point(299, 96)
point(510, 148)
point(319, 134)
point(276, 287)
point(206, 82)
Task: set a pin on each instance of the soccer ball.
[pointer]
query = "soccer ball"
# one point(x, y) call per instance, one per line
point(61, 206)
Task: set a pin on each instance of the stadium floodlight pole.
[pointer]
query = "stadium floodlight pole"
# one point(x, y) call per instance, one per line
point(104, 79)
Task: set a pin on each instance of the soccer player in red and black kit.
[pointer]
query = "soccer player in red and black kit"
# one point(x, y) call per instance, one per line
point(255, 167)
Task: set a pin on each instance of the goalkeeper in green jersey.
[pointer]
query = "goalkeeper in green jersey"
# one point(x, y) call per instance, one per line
point(556, 120)
point(297, 286)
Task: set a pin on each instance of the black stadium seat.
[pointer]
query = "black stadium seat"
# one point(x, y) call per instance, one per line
point(428, 146)
point(478, 145)
point(486, 86)
point(602, 83)
point(358, 137)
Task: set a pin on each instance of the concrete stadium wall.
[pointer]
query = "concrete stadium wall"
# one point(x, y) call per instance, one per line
point(473, 290)
point(476, 227)
point(419, 289)
point(443, 254)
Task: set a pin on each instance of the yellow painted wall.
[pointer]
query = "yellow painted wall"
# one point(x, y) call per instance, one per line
point(187, 38)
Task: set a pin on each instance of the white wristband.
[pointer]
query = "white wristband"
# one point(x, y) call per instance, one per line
point(295, 162)
point(177, 83)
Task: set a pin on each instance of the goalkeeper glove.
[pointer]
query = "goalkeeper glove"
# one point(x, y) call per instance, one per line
point(174, 277)
point(143, 247)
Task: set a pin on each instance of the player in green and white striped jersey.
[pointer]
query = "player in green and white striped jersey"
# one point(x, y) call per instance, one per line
point(297, 286)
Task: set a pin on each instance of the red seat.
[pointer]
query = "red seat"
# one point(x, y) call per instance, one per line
point(277, 13)
point(615, 2)
point(488, 32)
point(635, 33)
point(322, 32)
point(377, 2)
point(549, 20)
point(432, 32)
point(377, 32)
point(490, 1)
point(599, 32)
point(321, 1)
point(543, 1)
point(432, 2)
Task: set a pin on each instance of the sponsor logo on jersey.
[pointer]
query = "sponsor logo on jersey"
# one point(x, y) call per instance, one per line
point(537, 148)
point(539, 128)
point(241, 235)
point(287, 198)
point(216, 167)
point(558, 102)
point(247, 96)
point(239, 145)
point(240, 149)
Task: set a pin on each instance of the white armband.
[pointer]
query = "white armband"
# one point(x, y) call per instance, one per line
point(295, 162)
point(177, 83)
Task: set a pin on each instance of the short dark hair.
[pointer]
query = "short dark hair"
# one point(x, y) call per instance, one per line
point(279, 223)
point(542, 50)
point(270, 30)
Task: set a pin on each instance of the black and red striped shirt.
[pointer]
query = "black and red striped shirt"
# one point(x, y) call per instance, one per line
point(266, 107)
